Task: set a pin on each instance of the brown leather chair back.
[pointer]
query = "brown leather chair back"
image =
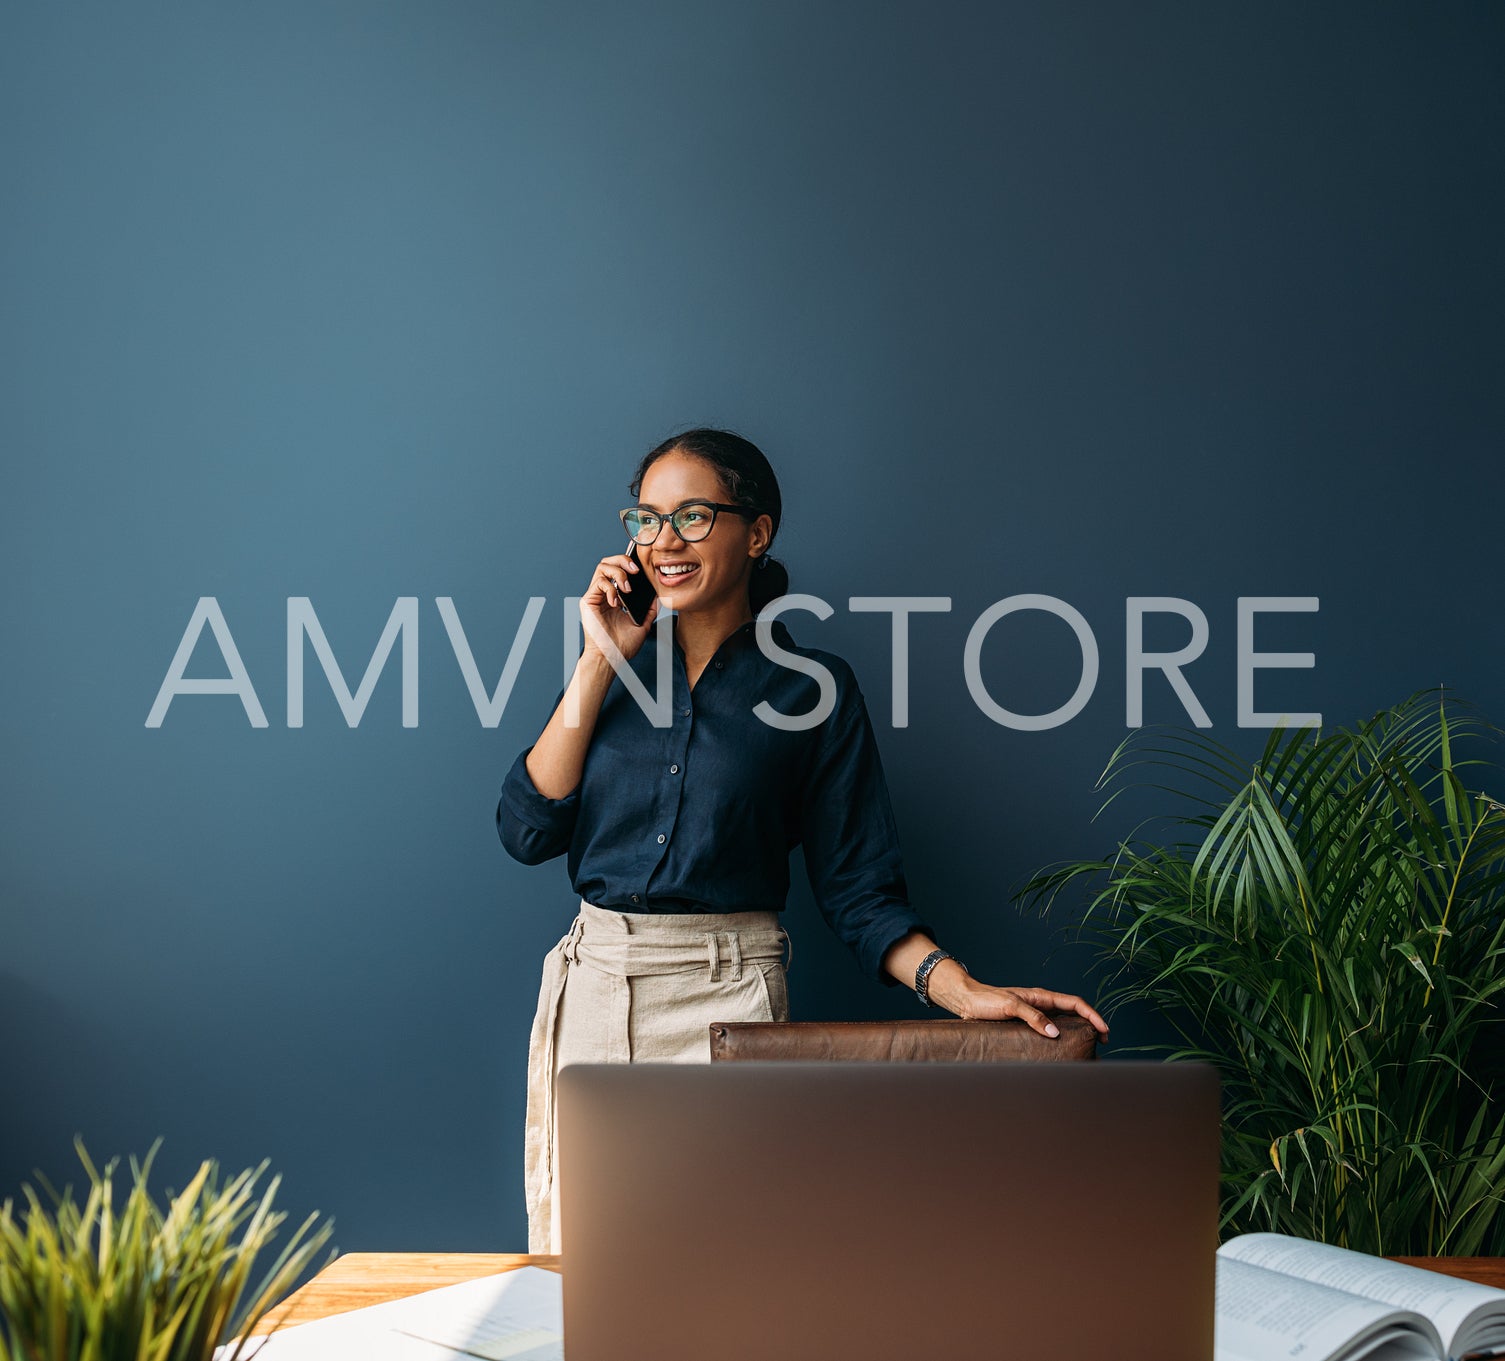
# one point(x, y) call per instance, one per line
point(944, 1040)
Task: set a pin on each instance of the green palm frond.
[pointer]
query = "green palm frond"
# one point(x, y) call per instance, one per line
point(1324, 925)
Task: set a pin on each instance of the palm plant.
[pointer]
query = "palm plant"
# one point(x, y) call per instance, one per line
point(1327, 931)
point(88, 1284)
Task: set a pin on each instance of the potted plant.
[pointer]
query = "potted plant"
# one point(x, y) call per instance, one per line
point(90, 1283)
point(1324, 925)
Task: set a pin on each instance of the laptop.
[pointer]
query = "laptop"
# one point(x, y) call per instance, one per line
point(883, 1211)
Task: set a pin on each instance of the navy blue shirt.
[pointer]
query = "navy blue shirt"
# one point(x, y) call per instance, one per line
point(701, 816)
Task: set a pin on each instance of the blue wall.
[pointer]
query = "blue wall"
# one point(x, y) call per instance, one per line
point(358, 302)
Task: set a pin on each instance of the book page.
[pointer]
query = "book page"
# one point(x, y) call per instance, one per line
point(512, 1316)
point(524, 1324)
point(1467, 1316)
point(1264, 1315)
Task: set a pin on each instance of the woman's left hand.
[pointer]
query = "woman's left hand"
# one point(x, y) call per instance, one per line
point(962, 994)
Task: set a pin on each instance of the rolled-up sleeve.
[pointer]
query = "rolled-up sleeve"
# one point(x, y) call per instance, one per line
point(533, 828)
point(851, 842)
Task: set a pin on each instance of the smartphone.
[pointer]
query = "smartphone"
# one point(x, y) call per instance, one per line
point(639, 600)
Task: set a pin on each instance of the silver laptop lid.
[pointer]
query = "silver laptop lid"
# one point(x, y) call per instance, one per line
point(725, 1212)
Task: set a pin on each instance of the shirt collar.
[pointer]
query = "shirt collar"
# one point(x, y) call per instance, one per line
point(750, 630)
point(746, 635)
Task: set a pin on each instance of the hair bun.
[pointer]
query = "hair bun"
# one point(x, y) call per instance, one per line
point(769, 580)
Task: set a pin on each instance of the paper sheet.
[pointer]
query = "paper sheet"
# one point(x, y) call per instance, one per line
point(513, 1316)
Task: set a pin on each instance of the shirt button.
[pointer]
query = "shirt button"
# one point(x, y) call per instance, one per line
point(635, 897)
point(685, 713)
point(674, 770)
point(660, 838)
point(718, 666)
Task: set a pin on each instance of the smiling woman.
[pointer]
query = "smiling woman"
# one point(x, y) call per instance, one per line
point(678, 837)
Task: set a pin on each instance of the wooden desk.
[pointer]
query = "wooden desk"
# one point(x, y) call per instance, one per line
point(361, 1278)
point(357, 1279)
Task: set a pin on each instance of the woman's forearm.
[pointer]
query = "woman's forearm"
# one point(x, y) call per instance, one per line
point(558, 757)
point(947, 982)
point(952, 987)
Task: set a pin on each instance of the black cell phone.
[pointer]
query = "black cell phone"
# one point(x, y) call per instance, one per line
point(639, 600)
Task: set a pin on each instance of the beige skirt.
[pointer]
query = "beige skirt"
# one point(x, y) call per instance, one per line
point(639, 987)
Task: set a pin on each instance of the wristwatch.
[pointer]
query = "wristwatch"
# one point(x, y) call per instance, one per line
point(922, 974)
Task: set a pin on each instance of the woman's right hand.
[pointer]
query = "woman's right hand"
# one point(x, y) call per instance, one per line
point(601, 611)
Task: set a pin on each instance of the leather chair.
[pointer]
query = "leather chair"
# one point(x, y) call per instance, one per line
point(945, 1040)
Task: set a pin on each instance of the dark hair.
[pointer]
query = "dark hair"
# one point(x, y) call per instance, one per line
point(749, 482)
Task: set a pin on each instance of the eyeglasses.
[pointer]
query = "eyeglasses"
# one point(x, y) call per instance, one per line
point(692, 521)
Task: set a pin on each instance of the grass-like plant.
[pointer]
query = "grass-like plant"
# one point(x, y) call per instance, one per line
point(85, 1283)
point(1326, 928)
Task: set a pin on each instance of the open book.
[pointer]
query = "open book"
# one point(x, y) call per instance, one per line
point(1280, 1297)
point(511, 1316)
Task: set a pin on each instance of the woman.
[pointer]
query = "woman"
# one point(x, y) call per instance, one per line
point(679, 836)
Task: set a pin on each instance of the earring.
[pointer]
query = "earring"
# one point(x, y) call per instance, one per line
point(763, 562)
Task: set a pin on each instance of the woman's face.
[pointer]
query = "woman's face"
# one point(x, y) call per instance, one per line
point(710, 572)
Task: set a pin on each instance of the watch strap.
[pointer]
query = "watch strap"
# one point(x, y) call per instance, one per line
point(927, 966)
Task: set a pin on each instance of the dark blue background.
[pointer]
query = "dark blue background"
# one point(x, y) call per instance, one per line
point(360, 301)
